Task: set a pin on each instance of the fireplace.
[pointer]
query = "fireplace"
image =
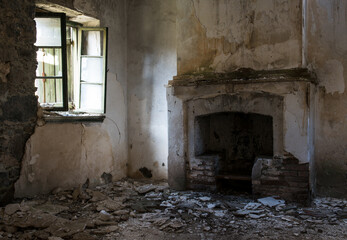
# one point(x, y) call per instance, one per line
point(237, 139)
point(240, 130)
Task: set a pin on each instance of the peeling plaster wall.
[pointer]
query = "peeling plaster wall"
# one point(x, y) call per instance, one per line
point(327, 55)
point(152, 62)
point(224, 35)
point(55, 163)
point(67, 154)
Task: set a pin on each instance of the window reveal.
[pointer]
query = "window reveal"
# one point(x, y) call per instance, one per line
point(71, 71)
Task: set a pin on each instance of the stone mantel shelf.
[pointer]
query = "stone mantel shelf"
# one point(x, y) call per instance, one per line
point(244, 76)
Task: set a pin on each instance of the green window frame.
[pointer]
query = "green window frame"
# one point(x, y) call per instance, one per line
point(85, 90)
point(57, 82)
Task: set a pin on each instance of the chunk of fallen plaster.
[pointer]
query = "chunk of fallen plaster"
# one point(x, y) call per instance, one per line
point(98, 196)
point(270, 201)
point(110, 205)
point(64, 228)
point(105, 216)
point(252, 206)
point(241, 213)
point(204, 199)
point(145, 189)
point(51, 208)
point(12, 208)
point(55, 238)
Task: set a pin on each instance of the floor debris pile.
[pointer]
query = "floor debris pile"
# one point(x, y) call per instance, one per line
point(130, 209)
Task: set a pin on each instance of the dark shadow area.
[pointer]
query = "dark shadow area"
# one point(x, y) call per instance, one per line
point(239, 138)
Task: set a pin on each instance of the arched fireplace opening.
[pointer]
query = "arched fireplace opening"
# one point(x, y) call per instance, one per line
point(233, 140)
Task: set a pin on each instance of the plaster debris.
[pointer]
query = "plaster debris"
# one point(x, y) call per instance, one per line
point(12, 208)
point(130, 209)
point(145, 189)
point(270, 201)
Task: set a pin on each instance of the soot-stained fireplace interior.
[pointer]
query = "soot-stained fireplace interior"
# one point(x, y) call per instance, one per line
point(247, 130)
point(237, 139)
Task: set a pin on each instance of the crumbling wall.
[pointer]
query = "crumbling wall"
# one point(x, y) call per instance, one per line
point(18, 104)
point(65, 154)
point(151, 63)
point(80, 153)
point(222, 36)
point(327, 56)
point(281, 176)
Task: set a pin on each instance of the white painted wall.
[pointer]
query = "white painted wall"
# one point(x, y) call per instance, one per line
point(151, 63)
point(327, 56)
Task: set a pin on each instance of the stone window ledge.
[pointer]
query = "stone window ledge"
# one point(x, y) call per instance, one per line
point(72, 117)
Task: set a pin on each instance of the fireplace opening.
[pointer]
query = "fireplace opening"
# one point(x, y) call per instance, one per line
point(237, 139)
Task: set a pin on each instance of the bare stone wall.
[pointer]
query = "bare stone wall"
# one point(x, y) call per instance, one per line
point(18, 104)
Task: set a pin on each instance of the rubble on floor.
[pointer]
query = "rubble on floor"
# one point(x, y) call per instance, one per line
point(130, 209)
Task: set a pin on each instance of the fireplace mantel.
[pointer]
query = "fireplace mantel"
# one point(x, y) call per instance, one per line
point(285, 95)
point(243, 76)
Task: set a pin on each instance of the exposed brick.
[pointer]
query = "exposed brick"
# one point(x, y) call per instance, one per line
point(287, 161)
point(296, 179)
point(298, 184)
point(269, 178)
point(291, 182)
point(273, 182)
point(290, 173)
point(297, 167)
point(303, 173)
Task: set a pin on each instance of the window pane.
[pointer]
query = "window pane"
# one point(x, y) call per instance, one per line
point(92, 70)
point(49, 62)
point(48, 32)
point(91, 97)
point(92, 43)
point(50, 92)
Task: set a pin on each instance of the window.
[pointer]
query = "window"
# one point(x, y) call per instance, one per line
point(71, 70)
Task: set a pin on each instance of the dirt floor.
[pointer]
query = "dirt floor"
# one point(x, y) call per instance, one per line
point(130, 209)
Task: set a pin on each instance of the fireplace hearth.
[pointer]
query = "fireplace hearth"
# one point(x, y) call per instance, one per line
point(237, 139)
point(223, 126)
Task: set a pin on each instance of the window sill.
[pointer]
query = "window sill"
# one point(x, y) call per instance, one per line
point(72, 117)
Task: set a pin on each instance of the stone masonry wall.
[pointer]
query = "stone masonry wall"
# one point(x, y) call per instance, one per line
point(281, 176)
point(18, 104)
point(201, 172)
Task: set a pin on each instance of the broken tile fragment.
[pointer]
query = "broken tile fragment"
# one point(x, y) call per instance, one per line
point(270, 201)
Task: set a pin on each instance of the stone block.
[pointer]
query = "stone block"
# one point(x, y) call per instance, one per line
point(19, 104)
point(20, 108)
